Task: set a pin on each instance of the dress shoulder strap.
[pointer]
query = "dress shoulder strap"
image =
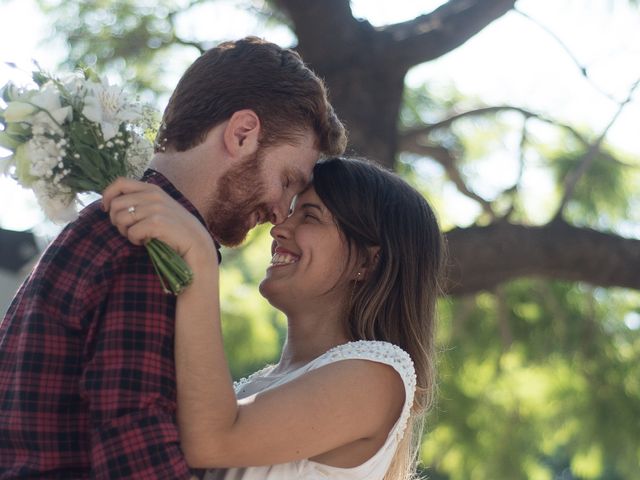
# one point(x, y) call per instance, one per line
point(381, 352)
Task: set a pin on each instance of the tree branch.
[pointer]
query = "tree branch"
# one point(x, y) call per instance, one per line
point(188, 43)
point(432, 35)
point(481, 258)
point(583, 69)
point(574, 176)
point(410, 134)
point(512, 192)
point(325, 30)
point(171, 17)
point(448, 161)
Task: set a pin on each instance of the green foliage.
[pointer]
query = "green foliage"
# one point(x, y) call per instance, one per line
point(537, 379)
point(130, 39)
point(601, 195)
point(253, 330)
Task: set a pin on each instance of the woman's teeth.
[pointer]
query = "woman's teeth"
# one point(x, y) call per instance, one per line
point(283, 259)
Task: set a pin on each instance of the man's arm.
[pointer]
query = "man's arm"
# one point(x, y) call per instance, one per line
point(129, 378)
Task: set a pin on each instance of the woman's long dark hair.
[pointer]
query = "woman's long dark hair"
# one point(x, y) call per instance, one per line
point(396, 299)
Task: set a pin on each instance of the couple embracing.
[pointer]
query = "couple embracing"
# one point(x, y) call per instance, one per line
point(102, 375)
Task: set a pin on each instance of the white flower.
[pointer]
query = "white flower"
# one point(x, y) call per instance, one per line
point(49, 112)
point(18, 111)
point(59, 204)
point(44, 154)
point(138, 155)
point(74, 84)
point(18, 106)
point(41, 107)
point(108, 106)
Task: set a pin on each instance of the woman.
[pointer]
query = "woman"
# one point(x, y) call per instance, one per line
point(355, 269)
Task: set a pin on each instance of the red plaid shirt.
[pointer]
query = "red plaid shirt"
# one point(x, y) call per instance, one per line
point(87, 377)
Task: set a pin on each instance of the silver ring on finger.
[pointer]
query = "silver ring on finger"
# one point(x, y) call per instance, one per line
point(132, 209)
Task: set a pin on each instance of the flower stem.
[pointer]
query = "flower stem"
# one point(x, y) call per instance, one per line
point(173, 271)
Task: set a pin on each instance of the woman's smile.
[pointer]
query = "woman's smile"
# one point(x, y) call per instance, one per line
point(282, 256)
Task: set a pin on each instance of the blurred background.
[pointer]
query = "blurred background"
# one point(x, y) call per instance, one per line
point(518, 120)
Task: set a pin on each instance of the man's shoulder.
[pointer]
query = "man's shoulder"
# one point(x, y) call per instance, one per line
point(87, 249)
point(93, 237)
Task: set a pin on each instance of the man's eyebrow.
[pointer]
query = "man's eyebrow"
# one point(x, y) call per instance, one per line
point(298, 176)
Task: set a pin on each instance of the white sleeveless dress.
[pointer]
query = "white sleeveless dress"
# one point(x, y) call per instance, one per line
point(372, 469)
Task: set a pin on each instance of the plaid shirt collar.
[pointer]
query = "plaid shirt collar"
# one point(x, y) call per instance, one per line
point(156, 178)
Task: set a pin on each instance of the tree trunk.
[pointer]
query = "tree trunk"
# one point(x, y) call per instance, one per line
point(365, 67)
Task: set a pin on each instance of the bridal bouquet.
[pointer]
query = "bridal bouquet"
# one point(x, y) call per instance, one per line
point(78, 134)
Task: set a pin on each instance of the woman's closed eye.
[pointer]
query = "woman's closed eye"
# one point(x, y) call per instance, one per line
point(312, 212)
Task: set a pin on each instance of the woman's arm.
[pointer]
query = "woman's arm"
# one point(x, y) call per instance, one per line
point(341, 403)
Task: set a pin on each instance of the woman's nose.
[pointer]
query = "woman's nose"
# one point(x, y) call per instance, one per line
point(285, 228)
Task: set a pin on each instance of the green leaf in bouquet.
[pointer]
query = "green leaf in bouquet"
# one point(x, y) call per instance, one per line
point(18, 131)
point(79, 183)
point(81, 133)
point(40, 78)
point(8, 141)
point(9, 92)
point(89, 164)
point(90, 74)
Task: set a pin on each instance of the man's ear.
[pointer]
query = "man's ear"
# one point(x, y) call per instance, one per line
point(242, 133)
point(368, 264)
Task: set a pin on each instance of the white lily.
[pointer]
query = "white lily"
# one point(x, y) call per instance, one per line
point(108, 106)
point(52, 113)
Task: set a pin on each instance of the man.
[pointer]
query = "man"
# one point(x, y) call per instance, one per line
point(87, 380)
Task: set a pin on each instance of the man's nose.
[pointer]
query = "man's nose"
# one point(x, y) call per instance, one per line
point(281, 211)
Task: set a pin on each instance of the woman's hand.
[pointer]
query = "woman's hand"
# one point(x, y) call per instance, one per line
point(142, 211)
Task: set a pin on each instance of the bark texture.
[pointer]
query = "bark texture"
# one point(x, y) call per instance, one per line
point(365, 67)
point(480, 258)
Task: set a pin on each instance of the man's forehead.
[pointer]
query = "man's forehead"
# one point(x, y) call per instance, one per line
point(298, 174)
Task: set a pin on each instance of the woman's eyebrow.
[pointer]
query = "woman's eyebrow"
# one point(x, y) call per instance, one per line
point(312, 205)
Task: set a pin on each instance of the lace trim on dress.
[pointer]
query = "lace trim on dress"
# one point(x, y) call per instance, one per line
point(237, 386)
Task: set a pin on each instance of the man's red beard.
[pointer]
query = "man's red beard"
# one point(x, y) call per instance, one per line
point(237, 197)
